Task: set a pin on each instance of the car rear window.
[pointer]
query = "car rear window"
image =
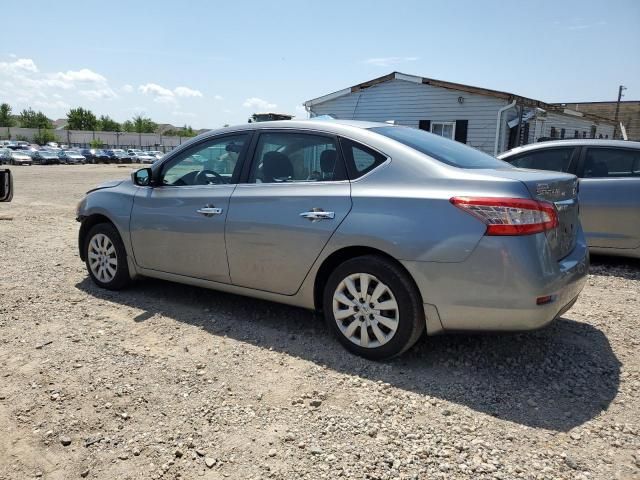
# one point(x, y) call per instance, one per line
point(444, 150)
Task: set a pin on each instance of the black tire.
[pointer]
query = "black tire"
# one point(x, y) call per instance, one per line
point(121, 279)
point(411, 320)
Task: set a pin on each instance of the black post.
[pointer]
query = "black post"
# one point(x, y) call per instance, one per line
point(615, 126)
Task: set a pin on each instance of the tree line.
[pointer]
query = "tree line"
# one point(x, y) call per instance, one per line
point(84, 119)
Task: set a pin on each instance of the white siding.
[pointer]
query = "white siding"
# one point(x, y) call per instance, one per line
point(407, 103)
point(570, 123)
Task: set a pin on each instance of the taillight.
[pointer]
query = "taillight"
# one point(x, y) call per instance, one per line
point(510, 216)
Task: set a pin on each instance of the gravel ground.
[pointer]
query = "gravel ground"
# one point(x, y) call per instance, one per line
point(169, 381)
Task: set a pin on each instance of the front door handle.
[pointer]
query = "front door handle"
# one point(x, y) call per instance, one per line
point(317, 214)
point(209, 211)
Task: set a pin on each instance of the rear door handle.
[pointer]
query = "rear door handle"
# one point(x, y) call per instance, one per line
point(316, 214)
point(209, 211)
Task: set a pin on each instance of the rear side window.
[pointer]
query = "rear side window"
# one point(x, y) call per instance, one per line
point(611, 162)
point(444, 150)
point(360, 159)
point(556, 159)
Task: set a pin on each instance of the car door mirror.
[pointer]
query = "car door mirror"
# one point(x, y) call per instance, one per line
point(142, 177)
point(6, 186)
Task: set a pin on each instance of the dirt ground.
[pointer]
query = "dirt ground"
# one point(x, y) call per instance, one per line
point(169, 381)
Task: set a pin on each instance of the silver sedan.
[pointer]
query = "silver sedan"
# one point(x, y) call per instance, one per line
point(389, 230)
point(609, 172)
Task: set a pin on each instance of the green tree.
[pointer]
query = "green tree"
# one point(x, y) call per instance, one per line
point(143, 124)
point(6, 119)
point(185, 131)
point(81, 119)
point(127, 126)
point(44, 136)
point(96, 143)
point(107, 124)
point(28, 118)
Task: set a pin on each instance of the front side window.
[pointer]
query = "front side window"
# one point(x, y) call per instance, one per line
point(211, 163)
point(283, 157)
point(611, 162)
point(444, 129)
point(556, 159)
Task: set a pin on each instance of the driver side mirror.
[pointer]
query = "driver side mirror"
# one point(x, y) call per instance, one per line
point(142, 177)
point(6, 186)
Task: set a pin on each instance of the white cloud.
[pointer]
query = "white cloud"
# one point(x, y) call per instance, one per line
point(98, 94)
point(167, 96)
point(127, 88)
point(155, 89)
point(218, 97)
point(21, 65)
point(301, 112)
point(388, 61)
point(178, 113)
point(258, 104)
point(27, 86)
point(187, 92)
point(13, 55)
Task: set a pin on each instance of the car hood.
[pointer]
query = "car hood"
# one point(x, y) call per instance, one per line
point(109, 184)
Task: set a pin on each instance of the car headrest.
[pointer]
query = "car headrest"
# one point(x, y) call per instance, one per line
point(328, 161)
point(276, 165)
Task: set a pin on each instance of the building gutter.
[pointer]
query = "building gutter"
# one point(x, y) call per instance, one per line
point(498, 119)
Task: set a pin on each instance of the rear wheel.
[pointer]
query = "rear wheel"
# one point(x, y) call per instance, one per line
point(106, 257)
point(373, 307)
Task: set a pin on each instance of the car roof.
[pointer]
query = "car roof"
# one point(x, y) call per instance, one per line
point(571, 143)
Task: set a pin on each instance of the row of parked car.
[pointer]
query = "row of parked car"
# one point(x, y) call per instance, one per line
point(23, 153)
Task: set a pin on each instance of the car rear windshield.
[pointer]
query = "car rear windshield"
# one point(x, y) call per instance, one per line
point(442, 149)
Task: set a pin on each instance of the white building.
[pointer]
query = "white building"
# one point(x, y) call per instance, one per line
point(489, 120)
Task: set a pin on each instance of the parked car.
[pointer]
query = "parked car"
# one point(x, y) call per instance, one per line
point(157, 154)
point(95, 155)
point(388, 230)
point(5, 155)
point(141, 157)
point(6, 185)
point(45, 157)
point(70, 157)
point(52, 145)
point(19, 157)
point(118, 155)
point(13, 145)
point(133, 150)
point(609, 190)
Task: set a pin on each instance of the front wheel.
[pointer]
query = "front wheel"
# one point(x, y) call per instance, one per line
point(106, 257)
point(373, 307)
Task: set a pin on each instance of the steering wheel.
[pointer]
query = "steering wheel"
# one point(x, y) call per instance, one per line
point(205, 177)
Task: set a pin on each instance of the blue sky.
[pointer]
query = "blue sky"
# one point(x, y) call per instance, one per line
point(211, 63)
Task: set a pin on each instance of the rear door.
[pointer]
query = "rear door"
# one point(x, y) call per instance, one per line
point(610, 196)
point(295, 196)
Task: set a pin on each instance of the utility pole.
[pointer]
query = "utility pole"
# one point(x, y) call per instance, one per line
point(615, 126)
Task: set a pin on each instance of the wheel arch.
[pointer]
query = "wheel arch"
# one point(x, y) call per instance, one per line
point(86, 225)
point(342, 255)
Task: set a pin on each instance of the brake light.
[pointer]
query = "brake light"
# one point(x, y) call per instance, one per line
point(510, 216)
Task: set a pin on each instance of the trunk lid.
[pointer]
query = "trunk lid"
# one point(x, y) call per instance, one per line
point(561, 189)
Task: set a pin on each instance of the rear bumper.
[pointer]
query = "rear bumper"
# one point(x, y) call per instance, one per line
point(496, 288)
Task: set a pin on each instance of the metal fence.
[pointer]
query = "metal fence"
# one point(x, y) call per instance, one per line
point(83, 139)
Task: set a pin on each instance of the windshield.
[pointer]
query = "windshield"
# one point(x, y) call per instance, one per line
point(442, 149)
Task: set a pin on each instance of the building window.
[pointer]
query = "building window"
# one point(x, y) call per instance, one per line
point(444, 129)
point(593, 131)
point(553, 133)
point(584, 134)
point(576, 134)
point(562, 132)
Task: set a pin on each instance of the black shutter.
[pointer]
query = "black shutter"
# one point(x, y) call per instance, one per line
point(424, 125)
point(461, 130)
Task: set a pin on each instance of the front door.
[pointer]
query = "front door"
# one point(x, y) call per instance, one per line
point(279, 221)
point(178, 226)
point(610, 197)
